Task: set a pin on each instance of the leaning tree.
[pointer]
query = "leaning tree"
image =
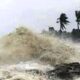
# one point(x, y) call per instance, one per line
point(63, 21)
point(77, 14)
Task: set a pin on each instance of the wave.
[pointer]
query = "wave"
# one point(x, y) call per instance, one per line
point(24, 45)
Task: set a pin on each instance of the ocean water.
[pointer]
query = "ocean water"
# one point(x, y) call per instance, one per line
point(24, 53)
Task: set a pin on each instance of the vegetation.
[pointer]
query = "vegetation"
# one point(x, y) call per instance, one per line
point(63, 21)
point(77, 14)
point(62, 33)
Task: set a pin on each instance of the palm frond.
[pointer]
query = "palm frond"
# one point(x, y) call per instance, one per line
point(63, 21)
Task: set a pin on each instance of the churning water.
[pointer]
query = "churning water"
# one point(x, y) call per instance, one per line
point(23, 51)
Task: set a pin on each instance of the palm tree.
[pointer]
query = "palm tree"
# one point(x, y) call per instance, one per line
point(63, 21)
point(77, 14)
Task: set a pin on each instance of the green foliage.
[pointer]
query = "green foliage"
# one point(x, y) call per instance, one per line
point(77, 14)
point(63, 21)
point(76, 33)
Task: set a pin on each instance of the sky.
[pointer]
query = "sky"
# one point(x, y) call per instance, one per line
point(36, 15)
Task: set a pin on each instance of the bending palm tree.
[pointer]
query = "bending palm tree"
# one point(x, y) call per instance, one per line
point(77, 14)
point(63, 21)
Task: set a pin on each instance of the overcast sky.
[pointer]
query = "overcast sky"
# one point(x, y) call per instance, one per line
point(35, 14)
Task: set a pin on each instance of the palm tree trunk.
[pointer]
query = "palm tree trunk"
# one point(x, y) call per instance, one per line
point(78, 25)
point(60, 27)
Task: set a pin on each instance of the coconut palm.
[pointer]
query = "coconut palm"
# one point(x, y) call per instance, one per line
point(63, 21)
point(77, 14)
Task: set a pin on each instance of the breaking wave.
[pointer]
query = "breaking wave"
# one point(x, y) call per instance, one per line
point(24, 50)
point(24, 45)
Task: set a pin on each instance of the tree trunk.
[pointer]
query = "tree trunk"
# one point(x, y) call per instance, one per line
point(78, 25)
point(60, 28)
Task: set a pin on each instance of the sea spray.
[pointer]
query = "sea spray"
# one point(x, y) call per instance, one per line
point(23, 51)
point(24, 45)
point(24, 70)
